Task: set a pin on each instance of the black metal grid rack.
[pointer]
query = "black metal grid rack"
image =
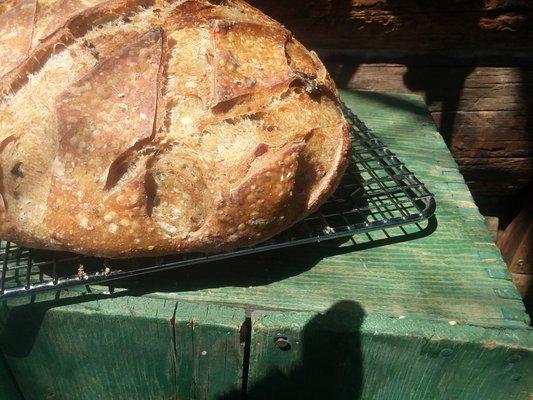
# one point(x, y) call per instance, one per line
point(376, 192)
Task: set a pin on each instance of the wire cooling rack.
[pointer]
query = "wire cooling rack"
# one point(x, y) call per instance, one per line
point(376, 192)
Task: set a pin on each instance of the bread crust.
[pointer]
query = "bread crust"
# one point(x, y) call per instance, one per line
point(136, 128)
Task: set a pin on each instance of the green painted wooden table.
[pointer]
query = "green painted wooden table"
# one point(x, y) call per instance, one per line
point(425, 313)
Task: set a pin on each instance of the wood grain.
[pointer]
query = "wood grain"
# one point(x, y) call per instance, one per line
point(412, 25)
point(94, 351)
point(516, 242)
point(344, 354)
point(524, 283)
point(482, 112)
point(122, 348)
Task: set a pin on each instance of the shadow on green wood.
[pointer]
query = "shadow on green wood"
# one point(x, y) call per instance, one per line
point(9, 389)
point(348, 353)
point(330, 363)
point(265, 268)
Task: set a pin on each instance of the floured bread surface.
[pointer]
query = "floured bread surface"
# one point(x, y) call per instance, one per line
point(131, 127)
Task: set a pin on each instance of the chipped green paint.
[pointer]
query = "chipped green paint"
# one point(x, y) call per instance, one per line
point(123, 348)
point(345, 354)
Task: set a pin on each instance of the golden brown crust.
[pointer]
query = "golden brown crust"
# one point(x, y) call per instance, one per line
point(93, 146)
point(16, 29)
point(192, 13)
point(3, 144)
point(166, 126)
point(240, 63)
point(55, 14)
point(258, 205)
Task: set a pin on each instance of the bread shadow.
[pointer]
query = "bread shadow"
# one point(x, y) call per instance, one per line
point(259, 269)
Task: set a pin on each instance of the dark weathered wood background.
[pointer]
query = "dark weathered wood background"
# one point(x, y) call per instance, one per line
point(472, 60)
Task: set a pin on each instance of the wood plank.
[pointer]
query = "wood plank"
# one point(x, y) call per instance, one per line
point(94, 351)
point(122, 348)
point(208, 350)
point(516, 242)
point(513, 174)
point(478, 88)
point(482, 112)
point(407, 24)
point(524, 285)
point(345, 354)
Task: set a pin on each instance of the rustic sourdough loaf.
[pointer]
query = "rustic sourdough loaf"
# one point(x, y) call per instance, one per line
point(132, 127)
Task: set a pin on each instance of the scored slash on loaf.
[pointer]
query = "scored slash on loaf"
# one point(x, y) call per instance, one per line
point(132, 128)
